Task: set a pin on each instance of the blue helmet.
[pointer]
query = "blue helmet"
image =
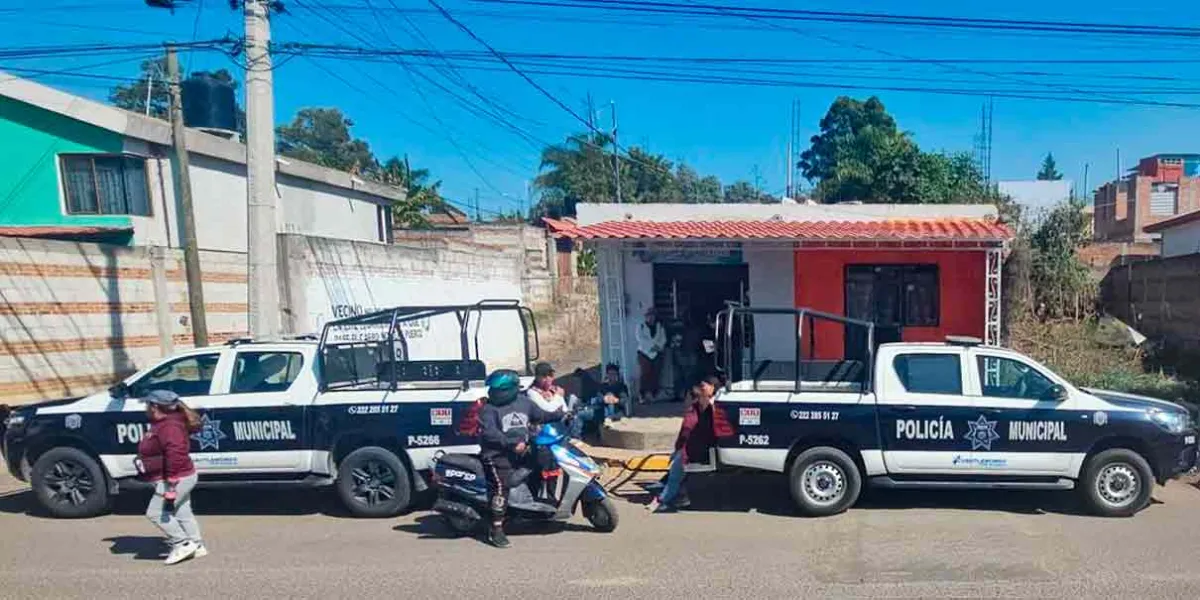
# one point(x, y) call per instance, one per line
point(503, 386)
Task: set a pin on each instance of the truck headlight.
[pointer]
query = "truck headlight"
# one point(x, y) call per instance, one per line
point(14, 420)
point(1174, 422)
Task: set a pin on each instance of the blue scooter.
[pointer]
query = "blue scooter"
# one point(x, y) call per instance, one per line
point(462, 488)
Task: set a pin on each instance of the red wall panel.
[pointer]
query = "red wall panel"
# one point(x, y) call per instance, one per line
point(820, 284)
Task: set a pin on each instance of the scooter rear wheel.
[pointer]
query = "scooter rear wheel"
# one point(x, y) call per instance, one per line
point(601, 514)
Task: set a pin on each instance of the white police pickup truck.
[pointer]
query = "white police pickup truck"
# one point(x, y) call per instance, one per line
point(353, 410)
point(938, 415)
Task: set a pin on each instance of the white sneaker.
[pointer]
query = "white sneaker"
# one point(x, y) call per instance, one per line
point(181, 553)
point(201, 551)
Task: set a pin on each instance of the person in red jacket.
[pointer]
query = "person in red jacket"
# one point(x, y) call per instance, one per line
point(164, 460)
point(703, 423)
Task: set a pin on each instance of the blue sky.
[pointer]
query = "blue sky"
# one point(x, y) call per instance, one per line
point(730, 131)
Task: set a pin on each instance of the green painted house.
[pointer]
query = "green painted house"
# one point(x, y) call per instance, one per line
point(76, 169)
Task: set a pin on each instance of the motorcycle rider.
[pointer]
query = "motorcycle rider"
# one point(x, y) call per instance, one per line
point(504, 436)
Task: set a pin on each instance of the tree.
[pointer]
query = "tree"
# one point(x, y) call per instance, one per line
point(1060, 283)
point(421, 197)
point(652, 177)
point(581, 170)
point(860, 154)
point(695, 189)
point(132, 96)
point(578, 170)
point(1049, 170)
point(153, 78)
point(322, 136)
point(949, 179)
point(744, 192)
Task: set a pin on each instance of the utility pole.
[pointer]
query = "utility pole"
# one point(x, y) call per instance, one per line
point(260, 173)
point(478, 217)
point(149, 89)
point(183, 178)
point(616, 151)
point(791, 142)
point(525, 202)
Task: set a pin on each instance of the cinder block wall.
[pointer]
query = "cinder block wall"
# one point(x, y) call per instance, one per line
point(75, 317)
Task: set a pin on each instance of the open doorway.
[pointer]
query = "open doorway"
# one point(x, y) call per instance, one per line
point(687, 298)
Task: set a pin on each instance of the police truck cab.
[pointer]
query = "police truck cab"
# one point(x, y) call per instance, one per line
point(952, 415)
point(364, 409)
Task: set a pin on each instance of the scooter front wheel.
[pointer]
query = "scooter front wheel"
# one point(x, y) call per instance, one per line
point(602, 514)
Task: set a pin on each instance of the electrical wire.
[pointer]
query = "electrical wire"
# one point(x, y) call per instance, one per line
point(586, 122)
point(835, 81)
point(863, 18)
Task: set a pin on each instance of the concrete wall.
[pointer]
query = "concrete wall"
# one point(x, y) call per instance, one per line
point(1180, 240)
point(527, 244)
point(1158, 298)
point(75, 317)
point(219, 197)
point(328, 279)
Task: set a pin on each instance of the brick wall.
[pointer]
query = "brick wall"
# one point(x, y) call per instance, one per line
point(74, 317)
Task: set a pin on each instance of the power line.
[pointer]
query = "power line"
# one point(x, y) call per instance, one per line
point(586, 122)
point(1080, 94)
point(864, 18)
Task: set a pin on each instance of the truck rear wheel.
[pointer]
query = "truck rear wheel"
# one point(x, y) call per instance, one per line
point(69, 483)
point(824, 481)
point(373, 482)
point(1116, 483)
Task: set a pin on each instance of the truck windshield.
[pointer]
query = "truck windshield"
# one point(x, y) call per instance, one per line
point(795, 349)
point(438, 345)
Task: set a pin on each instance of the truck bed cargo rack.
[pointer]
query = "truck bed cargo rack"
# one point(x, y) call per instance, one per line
point(466, 370)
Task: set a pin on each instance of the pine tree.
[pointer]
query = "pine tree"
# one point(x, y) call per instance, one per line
point(1049, 170)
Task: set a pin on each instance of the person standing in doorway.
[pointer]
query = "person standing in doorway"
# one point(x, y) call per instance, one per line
point(164, 459)
point(651, 339)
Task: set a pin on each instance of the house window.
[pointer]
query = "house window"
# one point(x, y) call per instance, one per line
point(106, 184)
point(893, 295)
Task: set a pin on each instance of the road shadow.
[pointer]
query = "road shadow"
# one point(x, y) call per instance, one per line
point(769, 494)
point(434, 527)
point(218, 502)
point(139, 547)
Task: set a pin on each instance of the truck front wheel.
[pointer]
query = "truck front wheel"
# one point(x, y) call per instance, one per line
point(373, 482)
point(1116, 483)
point(824, 481)
point(69, 483)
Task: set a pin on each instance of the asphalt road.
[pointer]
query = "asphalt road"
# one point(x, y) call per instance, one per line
point(739, 540)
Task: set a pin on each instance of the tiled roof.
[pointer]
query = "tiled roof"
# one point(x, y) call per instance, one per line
point(944, 229)
point(563, 225)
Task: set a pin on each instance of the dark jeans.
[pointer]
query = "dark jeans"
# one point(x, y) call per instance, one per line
point(497, 468)
point(594, 413)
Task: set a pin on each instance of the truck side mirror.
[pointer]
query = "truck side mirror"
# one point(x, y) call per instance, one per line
point(1056, 393)
point(119, 391)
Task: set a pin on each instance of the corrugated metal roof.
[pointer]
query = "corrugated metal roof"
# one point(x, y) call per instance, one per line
point(947, 229)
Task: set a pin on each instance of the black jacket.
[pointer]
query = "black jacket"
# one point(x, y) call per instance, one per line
point(503, 426)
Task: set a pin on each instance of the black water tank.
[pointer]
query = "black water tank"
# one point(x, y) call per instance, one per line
point(209, 103)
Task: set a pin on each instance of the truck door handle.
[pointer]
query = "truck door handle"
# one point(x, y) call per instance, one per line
point(906, 408)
